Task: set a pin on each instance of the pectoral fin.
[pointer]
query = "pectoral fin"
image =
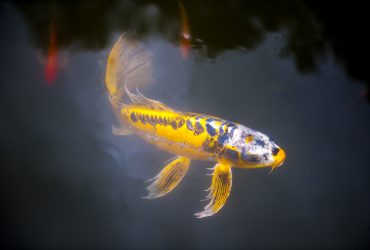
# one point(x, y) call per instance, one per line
point(219, 190)
point(168, 178)
point(121, 131)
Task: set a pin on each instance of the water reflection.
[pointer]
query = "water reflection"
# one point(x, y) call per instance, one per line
point(51, 65)
point(185, 35)
point(308, 30)
point(69, 183)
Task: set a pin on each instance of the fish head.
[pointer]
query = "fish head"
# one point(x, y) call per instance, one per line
point(247, 148)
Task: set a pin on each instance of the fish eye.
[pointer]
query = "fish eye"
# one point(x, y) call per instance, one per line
point(251, 158)
point(254, 158)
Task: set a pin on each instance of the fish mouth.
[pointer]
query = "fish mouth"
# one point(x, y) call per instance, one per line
point(279, 158)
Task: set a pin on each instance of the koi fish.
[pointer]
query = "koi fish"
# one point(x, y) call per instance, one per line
point(189, 136)
point(51, 64)
point(185, 32)
point(55, 58)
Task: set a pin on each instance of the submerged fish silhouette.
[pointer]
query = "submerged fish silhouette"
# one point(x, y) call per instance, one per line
point(51, 64)
point(187, 135)
point(55, 59)
point(185, 36)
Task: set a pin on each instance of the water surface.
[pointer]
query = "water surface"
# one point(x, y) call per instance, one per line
point(68, 182)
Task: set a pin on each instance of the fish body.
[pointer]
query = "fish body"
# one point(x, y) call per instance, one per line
point(197, 136)
point(175, 132)
point(190, 136)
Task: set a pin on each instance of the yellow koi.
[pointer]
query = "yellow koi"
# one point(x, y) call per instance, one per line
point(187, 135)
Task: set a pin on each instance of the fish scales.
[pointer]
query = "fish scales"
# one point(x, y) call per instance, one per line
point(168, 130)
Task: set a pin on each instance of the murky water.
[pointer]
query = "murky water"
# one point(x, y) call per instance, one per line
point(68, 182)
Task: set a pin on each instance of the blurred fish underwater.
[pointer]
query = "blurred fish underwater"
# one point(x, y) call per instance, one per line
point(185, 35)
point(51, 65)
point(55, 59)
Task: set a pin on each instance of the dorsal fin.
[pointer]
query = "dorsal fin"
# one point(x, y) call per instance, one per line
point(140, 99)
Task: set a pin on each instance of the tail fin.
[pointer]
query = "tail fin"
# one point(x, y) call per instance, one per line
point(129, 65)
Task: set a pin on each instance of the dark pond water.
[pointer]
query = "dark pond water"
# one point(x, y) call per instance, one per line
point(294, 70)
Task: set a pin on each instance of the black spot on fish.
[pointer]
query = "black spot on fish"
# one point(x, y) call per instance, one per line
point(275, 151)
point(231, 131)
point(152, 121)
point(208, 146)
point(198, 128)
point(221, 139)
point(173, 124)
point(210, 130)
point(160, 120)
point(212, 146)
point(231, 154)
point(189, 125)
point(165, 121)
point(221, 131)
point(181, 122)
point(133, 117)
point(209, 120)
point(231, 124)
point(227, 126)
point(224, 125)
point(141, 117)
point(154, 118)
point(260, 142)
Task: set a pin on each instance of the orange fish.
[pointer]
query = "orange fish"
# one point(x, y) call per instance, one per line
point(185, 32)
point(51, 65)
